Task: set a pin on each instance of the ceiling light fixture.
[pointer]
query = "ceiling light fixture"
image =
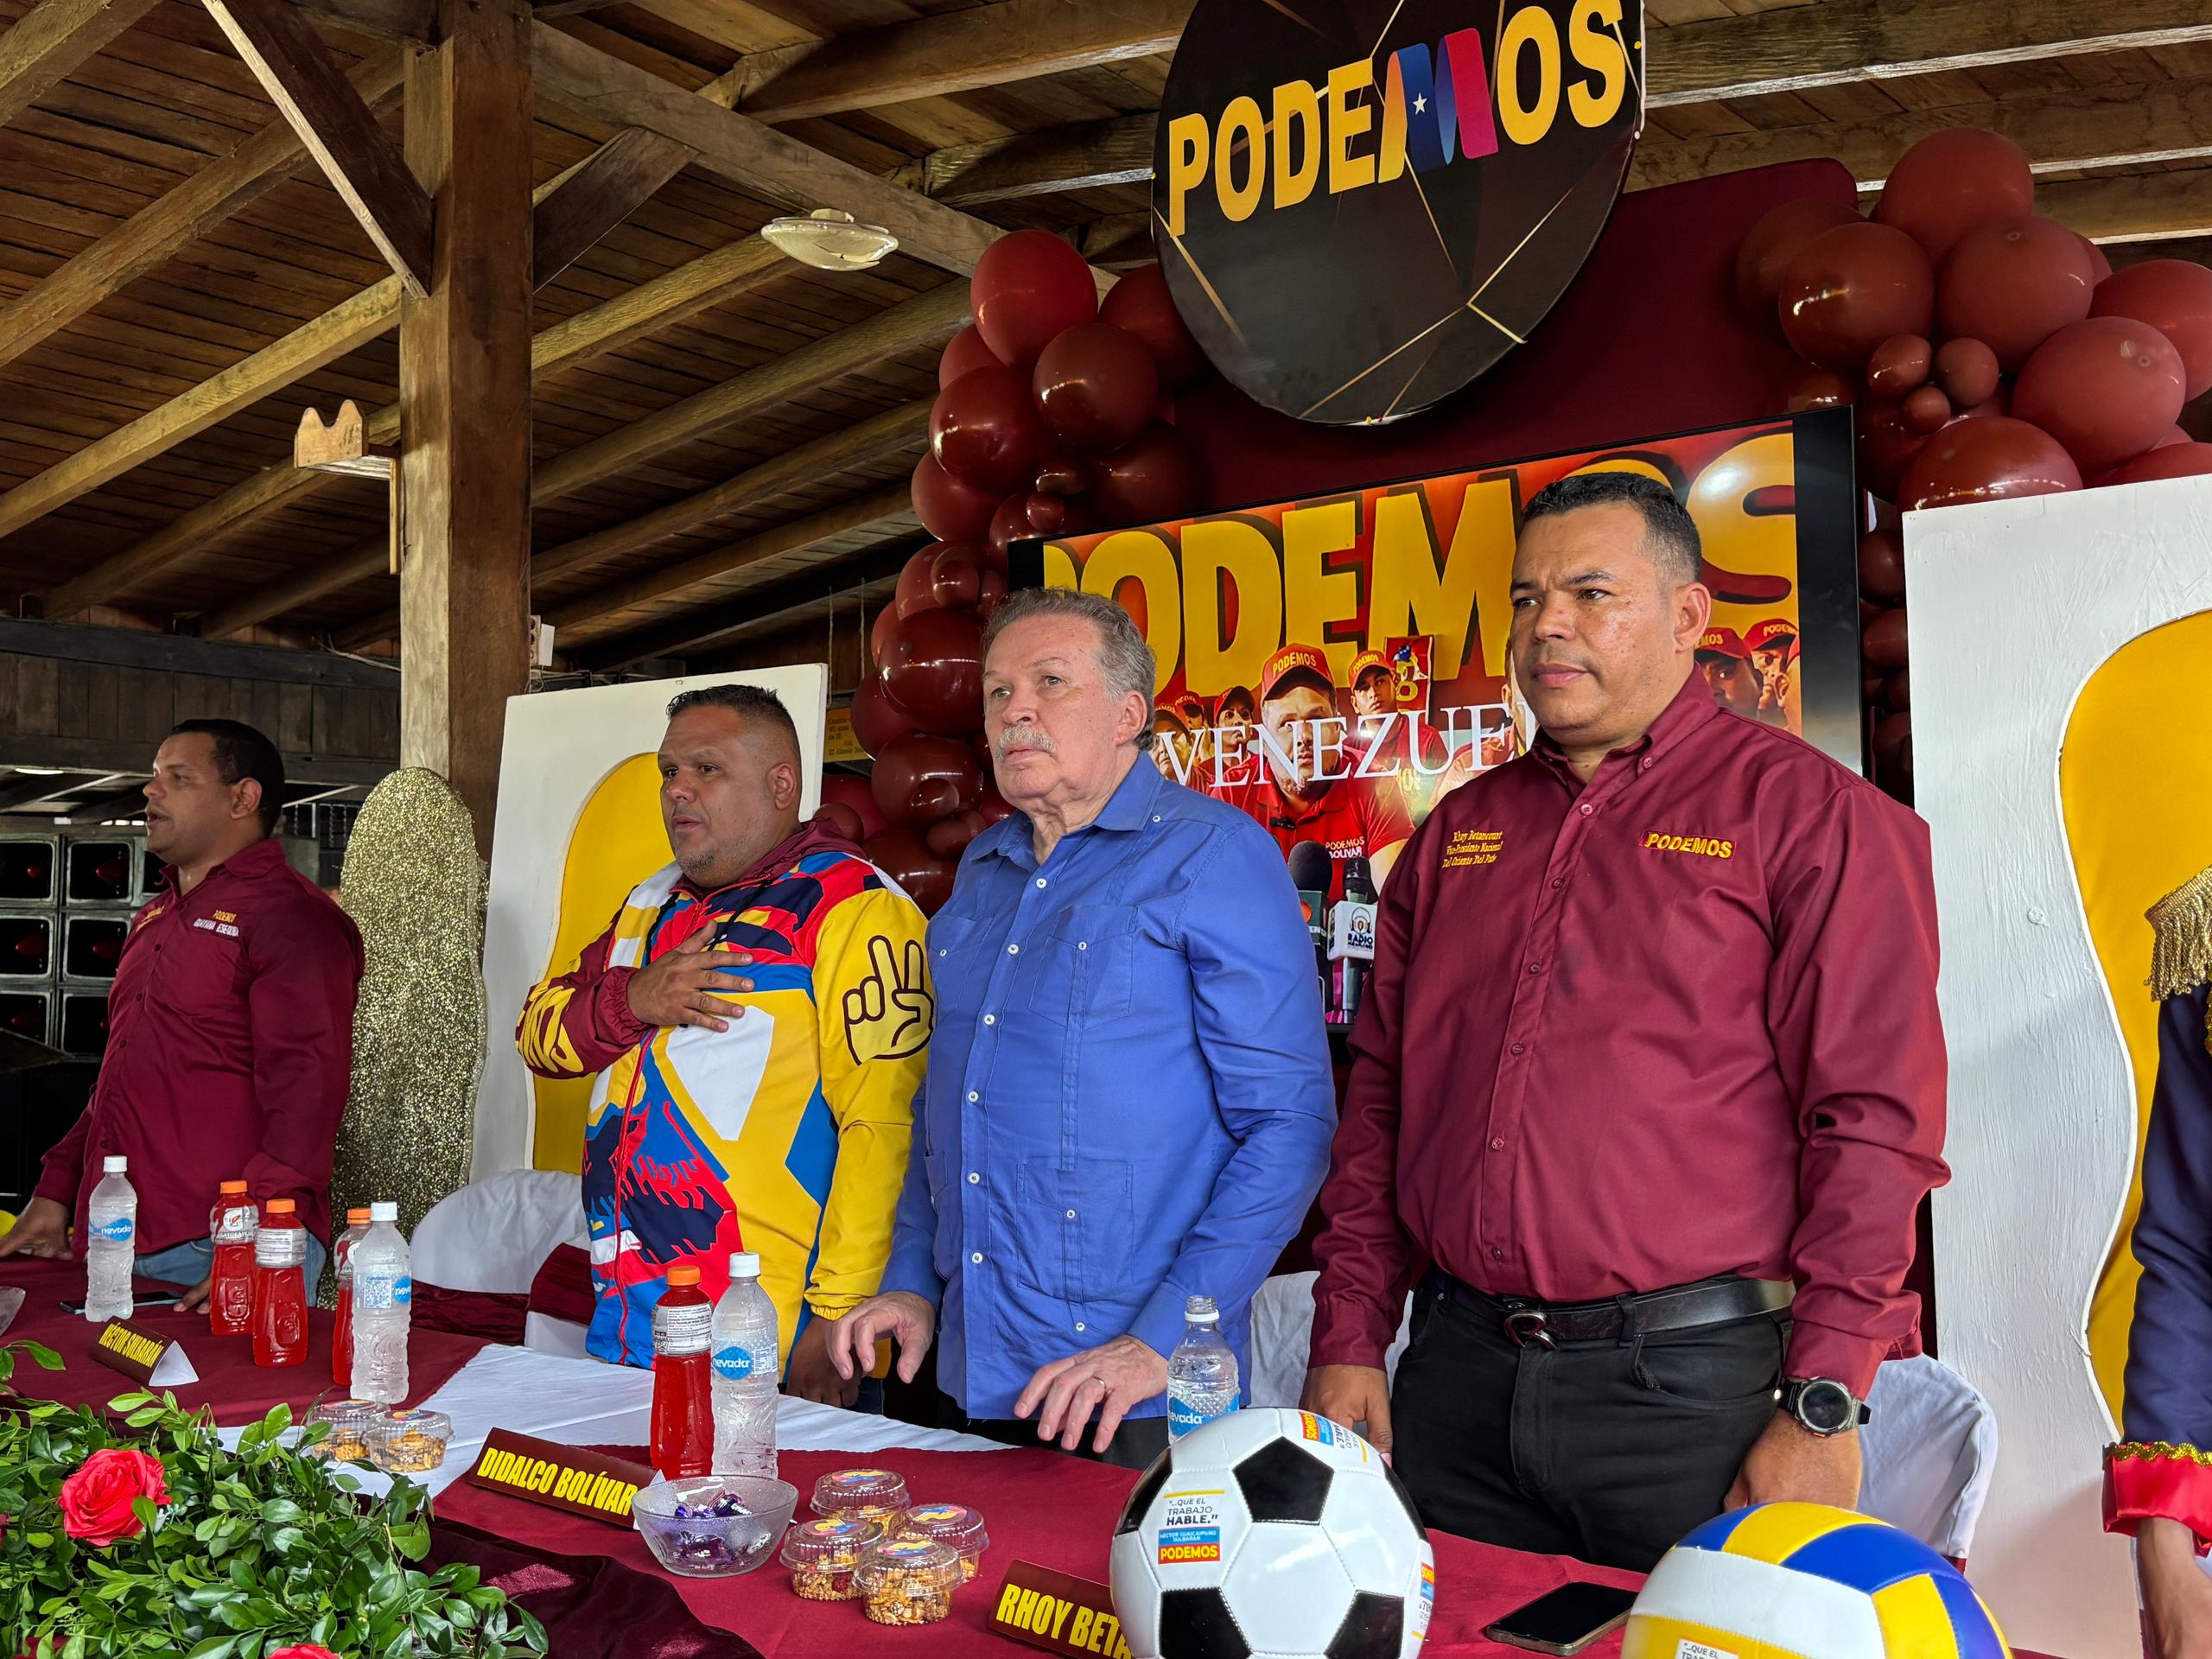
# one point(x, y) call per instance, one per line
point(830, 240)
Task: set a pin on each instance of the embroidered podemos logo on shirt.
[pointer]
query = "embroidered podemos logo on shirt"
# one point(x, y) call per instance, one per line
point(1702, 846)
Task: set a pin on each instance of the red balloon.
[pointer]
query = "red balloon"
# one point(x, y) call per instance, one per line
point(1999, 402)
point(955, 578)
point(2012, 283)
point(1950, 182)
point(1886, 447)
point(984, 430)
point(948, 837)
point(842, 818)
point(1990, 460)
point(1062, 475)
point(919, 778)
point(875, 721)
point(1883, 642)
point(993, 805)
point(1893, 747)
point(2100, 267)
point(900, 854)
point(1010, 524)
point(1897, 691)
point(1927, 409)
point(1822, 388)
point(933, 670)
point(1765, 253)
point(1096, 386)
point(914, 592)
point(1899, 365)
point(843, 789)
point(1029, 288)
point(1851, 288)
point(1966, 370)
point(2175, 297)
point(2173, 434)
point(879, 630)
point(964, 353)
point(949, 510)
point(1881, 566)
point(1047, 514)
point(2171, 461)
point(2106, 387)
point(1139, 305)
point(1158, 477)
point(990, 592)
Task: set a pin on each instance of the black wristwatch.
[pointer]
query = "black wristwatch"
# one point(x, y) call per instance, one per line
point(1823, 1406)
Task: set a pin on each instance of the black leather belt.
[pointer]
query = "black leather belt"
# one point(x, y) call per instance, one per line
point(1547, 1324)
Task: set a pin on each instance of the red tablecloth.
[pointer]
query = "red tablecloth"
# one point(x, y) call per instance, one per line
point(1040, 1507)
point(240, 1390)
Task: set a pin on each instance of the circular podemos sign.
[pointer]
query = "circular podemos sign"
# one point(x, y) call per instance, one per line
point(1361, 205)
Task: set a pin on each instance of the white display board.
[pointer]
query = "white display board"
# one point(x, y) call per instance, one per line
point(2014, 606)
point(559, 746)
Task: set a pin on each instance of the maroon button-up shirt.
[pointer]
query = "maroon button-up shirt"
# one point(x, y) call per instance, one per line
point(230, 1044)
point(1676, 1023)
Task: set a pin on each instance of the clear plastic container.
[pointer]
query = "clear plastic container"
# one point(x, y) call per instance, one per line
point(908, 1581)
point(353, 1423)
point(862, 1495)
point(715, 1526)
point(823, 1555)
point(410, 1442)
point(954, 1525)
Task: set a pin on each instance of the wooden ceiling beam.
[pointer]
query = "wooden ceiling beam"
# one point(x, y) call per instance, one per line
point(274, 39)
point(401, 22)
point(175, 219)
point(333, 573)
point(1079, 157)
point(753, 156)
point(954, 51)
point(2136, 207)
point(856, 445)
point(751, 612)
point(1797, 47)
point(42, 47)
point(2107, 126)
point(597, 195)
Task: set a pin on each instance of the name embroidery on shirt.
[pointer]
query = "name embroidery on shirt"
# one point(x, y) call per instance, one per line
point(1469, 847)
point(1702, 846)
point(228, 930)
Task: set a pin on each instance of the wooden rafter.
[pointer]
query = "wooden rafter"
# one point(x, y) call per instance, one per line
point(2136, 207)
point(954, 51)
point(406, 22)
point(597, 195)
point(50, 40)
point(175, 220)
point(760, 609)
point(1079, 157)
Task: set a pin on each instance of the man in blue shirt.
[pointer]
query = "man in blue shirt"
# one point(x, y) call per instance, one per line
point(1128, 1101)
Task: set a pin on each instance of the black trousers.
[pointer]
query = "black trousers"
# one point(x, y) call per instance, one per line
point(1609, 1451)
point(1135, 1444)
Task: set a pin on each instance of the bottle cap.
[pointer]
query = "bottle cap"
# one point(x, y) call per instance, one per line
point(680, 1277)
point(383, 1212)
point(229, 1187)
point(282, 1206)
point(356, 1217)
point(745, 1264)
point(113, 1165)
point(1200, 1310)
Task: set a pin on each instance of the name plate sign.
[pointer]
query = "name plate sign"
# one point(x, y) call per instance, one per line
point(145, 1357)
point(1058, 1613)
point(560, 1476)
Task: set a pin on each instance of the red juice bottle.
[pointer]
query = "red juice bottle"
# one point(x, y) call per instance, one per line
point(230, 1293)
point(341, 1263)
point(280, 1292)
point(683, 1378)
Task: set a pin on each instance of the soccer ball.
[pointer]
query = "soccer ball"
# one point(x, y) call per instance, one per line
point(1272, 1535)
point(1806, 1581)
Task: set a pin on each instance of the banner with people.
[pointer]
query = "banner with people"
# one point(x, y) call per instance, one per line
point(1332, 666)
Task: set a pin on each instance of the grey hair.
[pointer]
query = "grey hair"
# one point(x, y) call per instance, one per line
point(1123, 656)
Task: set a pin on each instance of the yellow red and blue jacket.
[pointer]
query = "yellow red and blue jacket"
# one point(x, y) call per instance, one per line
point(788, 1134)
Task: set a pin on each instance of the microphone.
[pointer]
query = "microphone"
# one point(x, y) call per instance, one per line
point(1310, 870)
point(1352, 940)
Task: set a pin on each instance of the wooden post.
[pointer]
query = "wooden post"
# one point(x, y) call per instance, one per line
point(465, 403)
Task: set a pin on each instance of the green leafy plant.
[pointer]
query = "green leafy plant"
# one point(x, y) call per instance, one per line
point(257, 1549)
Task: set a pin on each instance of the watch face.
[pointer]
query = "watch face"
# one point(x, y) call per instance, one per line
point(1826, 1407)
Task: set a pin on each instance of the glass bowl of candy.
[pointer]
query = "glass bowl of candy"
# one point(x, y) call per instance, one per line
point(714, 1526)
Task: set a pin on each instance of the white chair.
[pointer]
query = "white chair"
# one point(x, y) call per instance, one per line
point(494, 1233)
point(1282, 1332)
point(1929, 1450)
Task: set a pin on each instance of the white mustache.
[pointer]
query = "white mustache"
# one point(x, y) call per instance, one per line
point(1025, 737)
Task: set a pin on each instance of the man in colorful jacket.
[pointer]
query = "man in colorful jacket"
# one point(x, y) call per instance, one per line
point(767, 1110)
point(2159, 1481)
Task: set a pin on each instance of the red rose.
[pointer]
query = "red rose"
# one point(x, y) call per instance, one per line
point(305, 1651)
point(96, 1500)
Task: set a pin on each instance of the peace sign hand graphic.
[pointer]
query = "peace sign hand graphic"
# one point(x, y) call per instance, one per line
point(889, 1013)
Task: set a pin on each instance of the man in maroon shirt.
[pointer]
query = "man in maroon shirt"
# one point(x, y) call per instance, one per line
point(1649, 1080)
point(229, 1022)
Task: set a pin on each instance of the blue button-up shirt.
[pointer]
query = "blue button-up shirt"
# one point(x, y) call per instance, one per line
point(1129, 1100)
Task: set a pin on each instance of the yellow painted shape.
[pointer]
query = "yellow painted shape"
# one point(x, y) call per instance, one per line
point(2135, 784)
point(1777, 1531)
point(619, 841)
point(1915, 1624)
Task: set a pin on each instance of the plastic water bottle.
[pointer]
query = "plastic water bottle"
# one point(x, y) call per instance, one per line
point(1201, 1372)
point(341, 1265)
point(383, 1294)
point(744, 1349)
point(111, 1244)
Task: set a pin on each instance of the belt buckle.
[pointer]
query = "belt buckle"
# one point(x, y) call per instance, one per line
point(1528, 1326)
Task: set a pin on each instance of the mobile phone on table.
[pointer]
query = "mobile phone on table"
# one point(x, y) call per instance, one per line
point(1567, 1620)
